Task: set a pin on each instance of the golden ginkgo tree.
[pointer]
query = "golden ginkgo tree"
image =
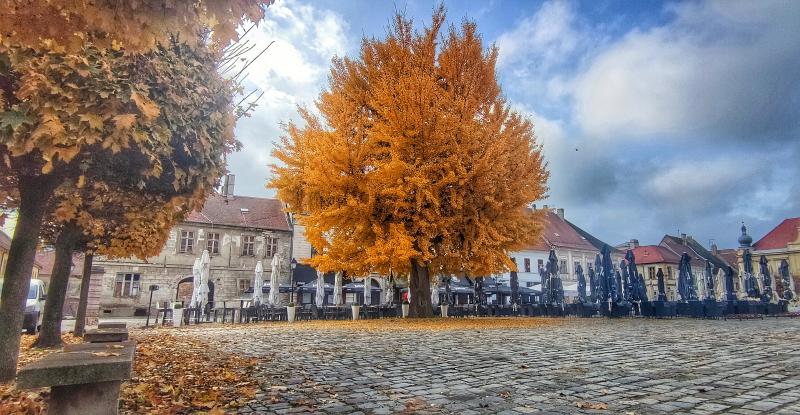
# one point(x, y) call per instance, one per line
point(417, 163)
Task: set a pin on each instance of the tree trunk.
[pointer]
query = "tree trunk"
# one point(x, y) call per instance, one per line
point(50, 335)
point(34, 193)
point(80, 318)
point(419, 283)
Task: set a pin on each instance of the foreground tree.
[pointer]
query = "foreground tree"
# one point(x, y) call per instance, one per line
point(417, 165)
point(135, 25)
point(157, 123)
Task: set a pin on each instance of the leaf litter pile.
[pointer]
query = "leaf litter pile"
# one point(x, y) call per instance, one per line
point(172, 375)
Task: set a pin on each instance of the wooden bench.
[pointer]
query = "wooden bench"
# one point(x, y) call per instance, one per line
point(83, 379)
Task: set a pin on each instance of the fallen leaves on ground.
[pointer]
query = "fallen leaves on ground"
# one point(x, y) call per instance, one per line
point(32, 401)
point(181, 375)
point(404, 324)
point(591, 405)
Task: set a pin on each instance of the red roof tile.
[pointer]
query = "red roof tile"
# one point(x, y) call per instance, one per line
point(779, 237)
point(251, 212)
point(729, 256)
point(654, 254)
point(558, 233)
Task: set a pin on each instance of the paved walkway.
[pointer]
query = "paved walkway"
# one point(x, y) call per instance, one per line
point(633, 366)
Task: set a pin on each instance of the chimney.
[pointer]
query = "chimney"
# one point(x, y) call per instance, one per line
point(560, 212)
point(683, 238)
point(634, 243)
point(545, 207)
point(714, 250)
point(227, 189)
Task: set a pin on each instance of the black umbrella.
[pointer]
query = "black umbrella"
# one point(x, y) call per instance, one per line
point(545, 282)
point(599, 293)
point(617, 286)
point(629, 293)
point(478, 290)
point(638, 285)
point(729, 288)
point(514, 288)
point(448, 292)
point(750, 283)
point(642, 288)
point(581, 283)
point(554, 282)
point(788, 294)
point(709, 281)
point(662, 289)
point(766, 279)
point(685, 279)
point(607, 275)
point(592, 285)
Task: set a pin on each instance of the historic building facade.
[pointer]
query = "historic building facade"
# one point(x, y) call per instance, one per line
point(650, 259)
point(781, 243)
point(237, 231)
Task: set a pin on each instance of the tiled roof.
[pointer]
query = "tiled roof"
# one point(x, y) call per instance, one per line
point(729, 256)
point(243, 211)
point(558, 233)
point(654, 254)
point(779, 237)
point(593, 240)
point(47, 258)
point(696, 251)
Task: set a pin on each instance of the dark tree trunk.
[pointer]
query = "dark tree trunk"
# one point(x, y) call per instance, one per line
point(80, 318)
point(34, 193)
point(50, 335)
point(419, 283)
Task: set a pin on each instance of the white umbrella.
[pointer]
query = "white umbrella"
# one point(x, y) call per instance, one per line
point(320, 299)
point(367, 291)
point(205, 271)
point(258, 294)
point(337, 289)
point(273, 280)
point(195, 283)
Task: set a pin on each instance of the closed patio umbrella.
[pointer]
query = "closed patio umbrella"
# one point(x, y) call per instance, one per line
point(750, 283)
point(608, 280)
point(514, 288)
point(581, 284)
point(389, 293)
point(788, 290)
point(319, 300)
point(258, 293)
point(273, 280)
point(766, 280)
point(337, 289)
point(662, 289)
point(709, 281)
point(367, 290)
point(730, 290)
point(448, 292)
point(627, 281)
point(195, 302)
point(599, 292)
point(592, 285)
point(205, 271)
point(685, 279)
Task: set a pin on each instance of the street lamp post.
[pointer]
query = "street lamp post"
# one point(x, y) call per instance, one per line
point(292, 266)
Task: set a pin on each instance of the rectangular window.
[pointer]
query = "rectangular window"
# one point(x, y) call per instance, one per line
point(575, 266)
point(271, 245)
point(562, 267)
point(127, 285)
point(212, 243)
point(244, 284)
point(248, 245)
point(651, 272)
point(527, 265)
point(539, 264)
point(669, 272)
point(187, 242)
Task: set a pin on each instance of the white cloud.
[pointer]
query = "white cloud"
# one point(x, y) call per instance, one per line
point(545, 38)
point(717, 70)
point(292, 72)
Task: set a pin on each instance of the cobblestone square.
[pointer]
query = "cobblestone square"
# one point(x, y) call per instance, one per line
point(627, 366)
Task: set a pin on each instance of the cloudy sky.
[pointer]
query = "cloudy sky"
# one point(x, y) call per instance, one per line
point(655, 117)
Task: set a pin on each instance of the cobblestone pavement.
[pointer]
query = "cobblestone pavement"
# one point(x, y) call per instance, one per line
point(633, 366)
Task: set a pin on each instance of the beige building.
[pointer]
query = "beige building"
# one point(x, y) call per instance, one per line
point(781, 243)
point(5, 245)
point(237, 231)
